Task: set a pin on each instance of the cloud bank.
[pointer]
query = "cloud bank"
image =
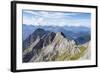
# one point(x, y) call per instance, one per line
point(50, 18)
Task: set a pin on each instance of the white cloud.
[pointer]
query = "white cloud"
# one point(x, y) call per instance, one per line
point(50, 14)
point(54, 18)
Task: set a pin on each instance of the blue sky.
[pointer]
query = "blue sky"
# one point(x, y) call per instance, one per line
point(51, 18)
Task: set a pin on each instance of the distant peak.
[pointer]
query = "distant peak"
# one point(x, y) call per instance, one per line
point(39, 30)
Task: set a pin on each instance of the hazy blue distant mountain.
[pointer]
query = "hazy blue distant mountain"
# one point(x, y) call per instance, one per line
point(83, 39)
point(27, 30)
point(71, 32)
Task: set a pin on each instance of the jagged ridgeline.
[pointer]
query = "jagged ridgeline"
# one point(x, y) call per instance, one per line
point(43, 46)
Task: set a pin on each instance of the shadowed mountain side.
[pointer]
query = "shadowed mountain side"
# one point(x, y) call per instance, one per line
point(39, 39)
point(32, 37)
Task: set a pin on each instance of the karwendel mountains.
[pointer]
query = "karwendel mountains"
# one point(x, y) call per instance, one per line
point(44, 45)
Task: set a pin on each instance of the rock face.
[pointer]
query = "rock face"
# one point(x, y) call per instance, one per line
point(37, 40)
point(43, 46)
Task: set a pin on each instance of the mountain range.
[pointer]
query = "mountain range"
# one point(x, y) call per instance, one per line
point(80, 34)
point(49, 44)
